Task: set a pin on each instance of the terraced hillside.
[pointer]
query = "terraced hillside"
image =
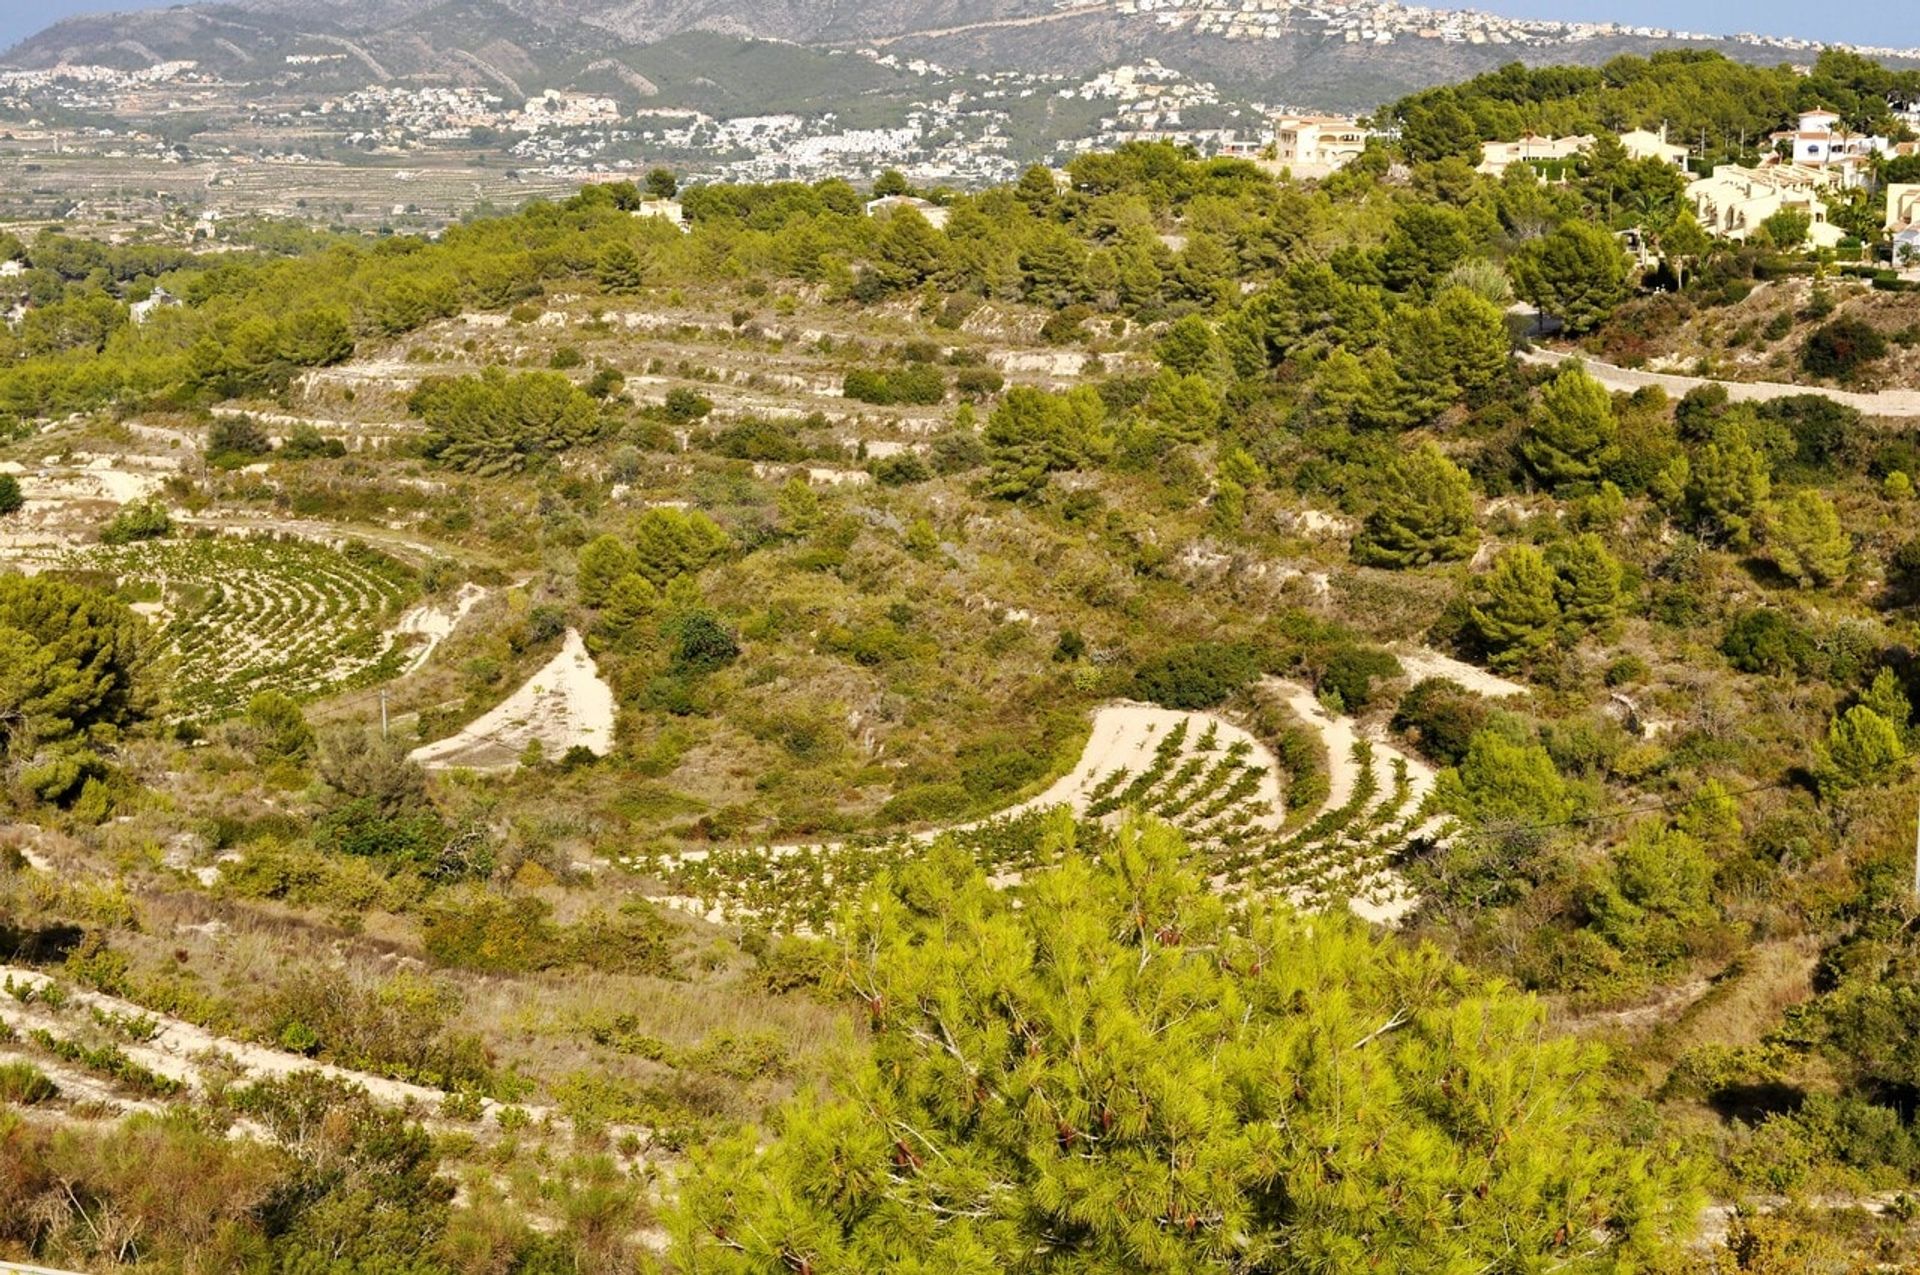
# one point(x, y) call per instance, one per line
point(1203, 774)
point(237, 616)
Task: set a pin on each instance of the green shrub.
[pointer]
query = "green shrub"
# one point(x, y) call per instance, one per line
point(975, 383)
point(902, 470)
point(917, 383)
point(1351, 671)
point(1441, 717)
point(759, 439)
point(1199, 675)
point(234, 441)
point(684, 406)
point(701, 643)
point(25, 1085)
point(304, 442)
point(141, 520)
point(1840, 350)
point(1766, 641)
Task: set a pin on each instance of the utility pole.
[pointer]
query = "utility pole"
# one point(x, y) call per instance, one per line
point(384, 733)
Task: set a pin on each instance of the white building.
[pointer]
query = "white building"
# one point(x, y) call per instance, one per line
point(1734, 201)
point(1497, 157)
point(1903, 205)
point(667, 210)
point(1821, 142)
point(887, 204)
point(1642, 144)
point(1316, 145)
point(141, 311)
point(1903, 220)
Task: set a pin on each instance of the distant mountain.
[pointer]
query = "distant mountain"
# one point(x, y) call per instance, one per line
point(1327, 56)
point(408, 37)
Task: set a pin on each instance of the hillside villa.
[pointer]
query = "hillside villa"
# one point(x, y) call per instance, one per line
point(667, 210)
point(1316, 145)
point(1497, 157)
point(1820, 141)
point(1734, 201)
point(1640, 143)
point(1903, 219)
point(886, 205)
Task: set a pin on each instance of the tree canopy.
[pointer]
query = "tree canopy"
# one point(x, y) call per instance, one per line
point(1111, 1069)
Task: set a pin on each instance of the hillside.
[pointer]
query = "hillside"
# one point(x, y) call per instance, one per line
point(1150, 716)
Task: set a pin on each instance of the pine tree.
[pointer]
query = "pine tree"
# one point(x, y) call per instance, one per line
point(1424, 360)
point(1578, 274)
point(1587, 582)
point(1727, 484)
point(629, 606)
point(603, 560)
point(621, 268)
point(1517, 614)
point(1861, 748)
point(1570, 432)
point(1806, 540)
point(1108, 1069)
point(1473, 332)
point(1889, 699)
point(676, 542)
point(71, 664)
point(1340, 387)
point(1425, 514)
point(1656, 888)
point(1184, 406)
point(1033, 433)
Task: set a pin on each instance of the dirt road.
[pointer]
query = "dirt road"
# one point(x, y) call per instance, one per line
point(1897, 403)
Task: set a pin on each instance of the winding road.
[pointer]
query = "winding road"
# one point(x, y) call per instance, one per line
point(1901, 403)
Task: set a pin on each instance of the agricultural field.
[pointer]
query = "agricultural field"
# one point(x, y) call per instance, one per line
point(235, 616)
point(1201, 773)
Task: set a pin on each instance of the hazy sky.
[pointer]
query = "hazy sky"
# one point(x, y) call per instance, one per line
point(1894, 23)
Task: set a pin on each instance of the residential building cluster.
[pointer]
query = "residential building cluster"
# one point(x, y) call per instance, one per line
point(1384, 22)
point(1810, 163)
point(1735, 201)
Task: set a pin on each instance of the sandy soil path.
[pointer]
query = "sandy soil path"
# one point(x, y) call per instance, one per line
point(177, 1046)
point(1421, 663)
point(436, 621)
point(1903, 403)
point(565, 705)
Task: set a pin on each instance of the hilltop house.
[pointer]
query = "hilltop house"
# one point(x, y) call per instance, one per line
point(936, 215)
point(667, 210)
point(1642, 144)
point(1903, 220)
point(1497, 157)
point(141, 311)
point(1316, 145)
point(1821, 142)
point(1903, 205)
point(1734, 200)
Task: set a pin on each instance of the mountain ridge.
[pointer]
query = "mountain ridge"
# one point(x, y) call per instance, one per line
point(1332, 59)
